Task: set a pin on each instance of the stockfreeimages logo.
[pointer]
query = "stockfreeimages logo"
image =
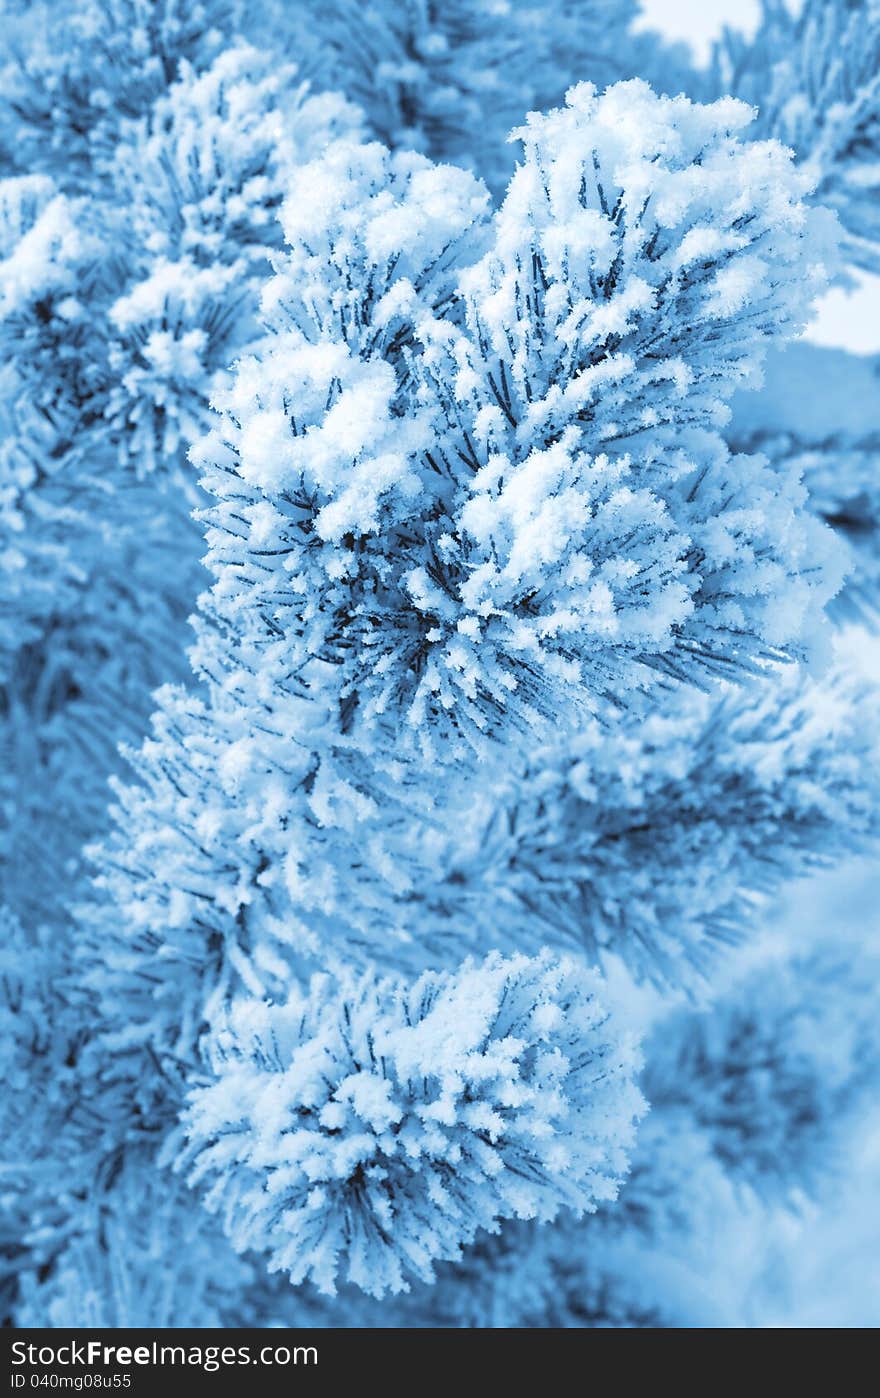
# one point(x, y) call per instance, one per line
point(93, 1354)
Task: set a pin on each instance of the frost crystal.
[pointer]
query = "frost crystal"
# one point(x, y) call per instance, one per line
point(372, 1129)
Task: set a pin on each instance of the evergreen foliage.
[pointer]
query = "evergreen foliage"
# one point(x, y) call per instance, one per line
point(420, 960)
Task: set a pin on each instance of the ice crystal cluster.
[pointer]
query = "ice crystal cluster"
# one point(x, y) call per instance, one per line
point(433, 608)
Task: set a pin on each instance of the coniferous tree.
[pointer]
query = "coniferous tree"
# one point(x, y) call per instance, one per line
point(812, 72)
point(503, 718)
point(451, 80)
point(119, 312)
point(470, 496)
point(129, 278)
